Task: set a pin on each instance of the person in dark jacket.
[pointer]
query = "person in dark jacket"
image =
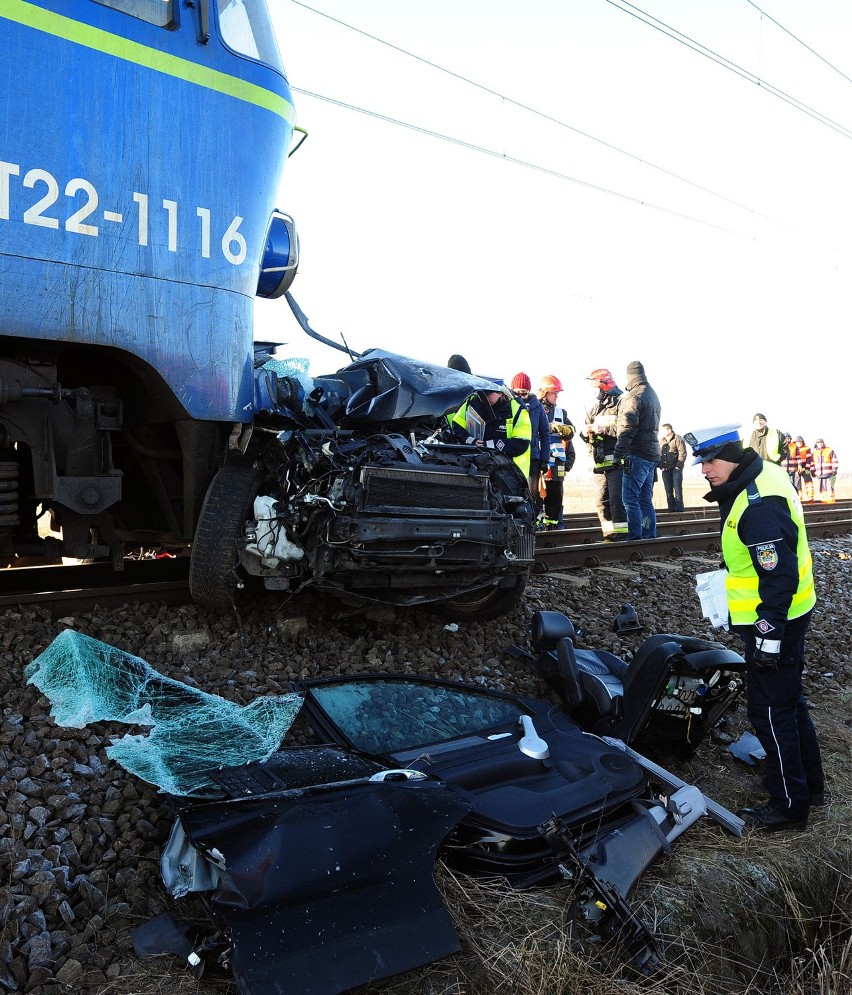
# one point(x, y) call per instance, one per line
point(770, 592)
point(637, 448)
point(459, 363)
point(521, 386)
point(672, 460)
point(599, 436)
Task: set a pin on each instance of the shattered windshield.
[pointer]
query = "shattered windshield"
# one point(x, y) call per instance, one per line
point(187, 732)
point(379, 716)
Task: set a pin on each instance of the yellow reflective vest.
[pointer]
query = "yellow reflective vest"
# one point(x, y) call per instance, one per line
point(518, 426)
point(742, 579)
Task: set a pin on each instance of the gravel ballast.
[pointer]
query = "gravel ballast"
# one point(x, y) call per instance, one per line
point(80, 838)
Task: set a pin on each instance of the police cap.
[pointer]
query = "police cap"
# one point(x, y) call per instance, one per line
point(708, 443)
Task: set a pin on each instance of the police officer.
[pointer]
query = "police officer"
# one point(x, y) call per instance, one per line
point(521, 387)
point(770, 590)
point(502, 425)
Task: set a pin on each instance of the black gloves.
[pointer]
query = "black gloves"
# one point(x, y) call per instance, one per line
point(767, 655)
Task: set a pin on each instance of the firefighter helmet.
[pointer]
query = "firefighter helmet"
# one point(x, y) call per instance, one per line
point(549, 382)
point(603, 378)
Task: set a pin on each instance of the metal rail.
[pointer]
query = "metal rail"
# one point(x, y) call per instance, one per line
point(80, 587)
point(583, 546)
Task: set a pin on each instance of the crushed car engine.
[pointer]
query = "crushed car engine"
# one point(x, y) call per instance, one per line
point(357, 491)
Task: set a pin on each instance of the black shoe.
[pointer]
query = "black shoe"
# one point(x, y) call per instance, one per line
point(767, 818)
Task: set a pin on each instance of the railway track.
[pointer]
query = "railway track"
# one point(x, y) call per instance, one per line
point(695, 532)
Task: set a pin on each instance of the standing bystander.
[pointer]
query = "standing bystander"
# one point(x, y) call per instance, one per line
point(790, 462)
point(765, 441)
point(637, 448)
point(806, 470)
point(672, 460)
point(825, 470)
point(599, 436)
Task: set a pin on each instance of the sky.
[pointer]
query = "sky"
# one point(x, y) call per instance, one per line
point(576, 189)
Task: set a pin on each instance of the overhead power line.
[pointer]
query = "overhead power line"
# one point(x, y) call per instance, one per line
point(787, 31)
point(696, 46)
point(518, 162)
point(532, 110)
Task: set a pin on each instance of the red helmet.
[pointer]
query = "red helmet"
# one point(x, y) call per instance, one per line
point(549, 382)
point(603, 378)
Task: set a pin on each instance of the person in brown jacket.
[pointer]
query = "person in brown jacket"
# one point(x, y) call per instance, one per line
point(672, 459)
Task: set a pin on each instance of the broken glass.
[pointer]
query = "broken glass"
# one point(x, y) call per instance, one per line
point(385, 716)
point(189, 732)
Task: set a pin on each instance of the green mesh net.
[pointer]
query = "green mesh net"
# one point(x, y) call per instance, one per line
point(188, 731)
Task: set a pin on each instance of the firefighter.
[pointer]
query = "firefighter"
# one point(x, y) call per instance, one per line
point(492, 419)
point(599, 436)
point(770, 593)
point(562, 453)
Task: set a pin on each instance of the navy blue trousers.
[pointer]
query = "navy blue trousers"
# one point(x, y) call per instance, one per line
point(779, 713)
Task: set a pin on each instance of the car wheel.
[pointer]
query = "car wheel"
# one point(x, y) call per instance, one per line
point(481, 605)
point(228, 504)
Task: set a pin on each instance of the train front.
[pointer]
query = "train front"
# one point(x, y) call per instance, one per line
point(141, 147)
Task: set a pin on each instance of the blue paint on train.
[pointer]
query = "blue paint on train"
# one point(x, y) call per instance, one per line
point(137, 203)
point(142, 144)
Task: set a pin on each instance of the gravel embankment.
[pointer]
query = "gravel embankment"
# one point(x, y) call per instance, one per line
point(80, 838)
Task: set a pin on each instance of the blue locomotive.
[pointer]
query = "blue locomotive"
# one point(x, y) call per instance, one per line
point(141, 147)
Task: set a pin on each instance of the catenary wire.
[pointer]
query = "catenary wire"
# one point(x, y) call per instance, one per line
point(538, 113)
point(670, 32)
point(515, 161)
point(787, 31)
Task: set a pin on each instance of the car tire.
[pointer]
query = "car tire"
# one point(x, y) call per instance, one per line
point(228, 504)
point(481, 605)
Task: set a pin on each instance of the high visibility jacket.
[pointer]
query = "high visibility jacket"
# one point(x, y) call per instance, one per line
point(825, 462)
point(561, 436)
point(518, 433)
point(600, 429)
point(768, 443)
point(806, 460)
point(791, 460)
point(754, 589)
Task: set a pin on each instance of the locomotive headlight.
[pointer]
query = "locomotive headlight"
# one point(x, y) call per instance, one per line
point(280, 258)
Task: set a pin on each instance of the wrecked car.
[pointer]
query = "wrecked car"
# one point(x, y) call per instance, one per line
point(490, 782)
point(316, 862)
point(355, 491)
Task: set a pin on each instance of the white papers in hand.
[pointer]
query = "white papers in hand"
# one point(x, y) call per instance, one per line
point(711, 593)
